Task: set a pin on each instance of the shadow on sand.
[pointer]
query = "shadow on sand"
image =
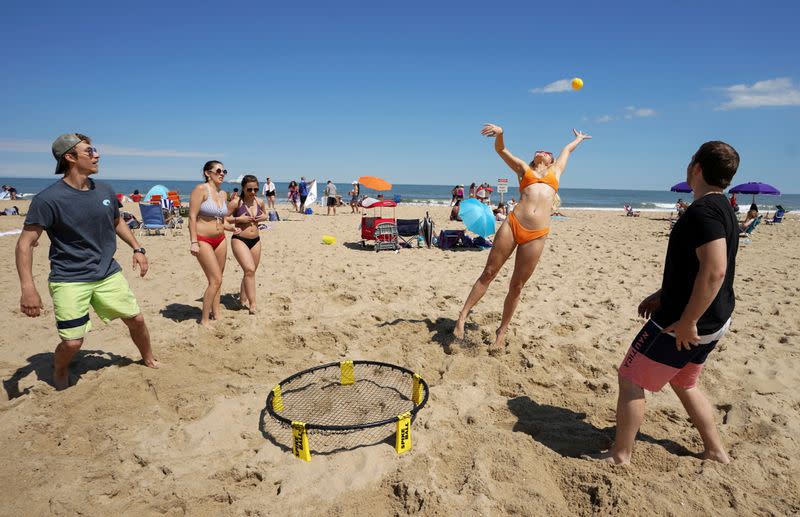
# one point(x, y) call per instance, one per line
point(42, 366)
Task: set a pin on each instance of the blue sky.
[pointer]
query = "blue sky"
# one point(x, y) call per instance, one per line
point(342, 89)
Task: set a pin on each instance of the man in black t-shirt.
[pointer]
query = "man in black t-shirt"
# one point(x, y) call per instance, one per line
point(82, 220)
point(690, 312)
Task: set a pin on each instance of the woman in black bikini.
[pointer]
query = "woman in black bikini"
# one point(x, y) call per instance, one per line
point(248, 211)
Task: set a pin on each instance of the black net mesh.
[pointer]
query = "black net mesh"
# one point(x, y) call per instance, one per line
point(318, 398)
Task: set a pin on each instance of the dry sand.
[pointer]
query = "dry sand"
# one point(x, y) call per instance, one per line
point(500, 436)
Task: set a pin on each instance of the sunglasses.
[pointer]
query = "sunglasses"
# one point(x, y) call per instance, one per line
point(92, 151)
point(252, 189)
point(220, 171)
point(544, 152)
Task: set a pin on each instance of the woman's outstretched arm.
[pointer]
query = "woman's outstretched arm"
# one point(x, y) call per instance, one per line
point(517, 165)
point(561, 161)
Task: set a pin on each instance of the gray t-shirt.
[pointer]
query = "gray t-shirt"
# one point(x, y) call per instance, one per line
point(330, 190)
point(80, 224)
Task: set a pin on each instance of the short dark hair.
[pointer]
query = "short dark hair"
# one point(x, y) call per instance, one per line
point(718, 161)
point(63, 165)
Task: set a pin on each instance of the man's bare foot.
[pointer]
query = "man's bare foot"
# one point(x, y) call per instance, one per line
point(458, 331)
point(720, 456)
point(152, 363)
point(252, 310)
point(207, 324)
point(607, 457)
point(61, 380)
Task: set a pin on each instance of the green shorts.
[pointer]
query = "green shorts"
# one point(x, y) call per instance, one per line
point(110, 297)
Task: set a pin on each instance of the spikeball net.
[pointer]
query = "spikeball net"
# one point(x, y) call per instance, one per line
point(345, 405)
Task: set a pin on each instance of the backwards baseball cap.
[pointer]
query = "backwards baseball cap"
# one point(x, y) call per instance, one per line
point(62, 145)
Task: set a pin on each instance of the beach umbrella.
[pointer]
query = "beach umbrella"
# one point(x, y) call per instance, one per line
point(375, 183)
point(477, 217)
point(681, 187)
point(755, 188)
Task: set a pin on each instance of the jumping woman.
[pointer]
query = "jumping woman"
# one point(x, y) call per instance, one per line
point(525, 228)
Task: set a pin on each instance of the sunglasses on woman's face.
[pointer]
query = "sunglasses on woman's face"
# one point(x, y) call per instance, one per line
point(252, 189)
point(223, 172)
point(545, 152)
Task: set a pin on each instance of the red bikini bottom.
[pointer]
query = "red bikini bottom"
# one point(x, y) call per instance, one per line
point(213, 241)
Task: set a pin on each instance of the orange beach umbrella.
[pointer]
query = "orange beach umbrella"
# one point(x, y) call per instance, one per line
point(375, 183)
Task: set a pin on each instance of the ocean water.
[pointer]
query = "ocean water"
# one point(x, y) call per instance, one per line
point(601, 199)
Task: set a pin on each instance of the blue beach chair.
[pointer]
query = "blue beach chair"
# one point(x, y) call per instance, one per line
point(152, 220)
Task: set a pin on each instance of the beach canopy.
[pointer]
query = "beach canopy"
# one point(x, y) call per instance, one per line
point(371, 202)
point(681, 187)
point(375, 183)
point(157, 190)
point(755, 187)
point(477, 217)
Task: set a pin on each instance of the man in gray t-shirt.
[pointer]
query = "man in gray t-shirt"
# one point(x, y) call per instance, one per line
point(330, 194)
point(82, 220)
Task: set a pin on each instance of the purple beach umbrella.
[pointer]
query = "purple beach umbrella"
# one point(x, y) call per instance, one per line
point(755, 188)
point(681, 187)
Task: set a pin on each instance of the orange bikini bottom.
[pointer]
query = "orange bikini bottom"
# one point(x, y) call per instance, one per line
point(522, 234)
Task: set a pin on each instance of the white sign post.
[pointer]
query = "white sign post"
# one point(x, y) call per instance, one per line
point(502, 187)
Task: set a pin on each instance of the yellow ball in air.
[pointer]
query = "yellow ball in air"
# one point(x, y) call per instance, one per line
point(577, 83)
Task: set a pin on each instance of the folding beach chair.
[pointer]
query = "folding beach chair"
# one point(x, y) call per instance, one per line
point(411, 230)
point(750, 229)
point(152, 220)
point(777, 218)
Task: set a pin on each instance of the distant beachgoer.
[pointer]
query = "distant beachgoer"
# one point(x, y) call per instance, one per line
point(691, 311)
point(454, 212)
point(248, 212)
point(293, 194)
point(269, 193)
point(472, 190)
point(460, 193)
point(481, 193)
point(510, 205)
point(304, 184)
point(524, 230)
point(331, 198)
point(754, 206)
point(83, 222)
point(734, 203)
point(499, 214)
point(748, 219)
point(354, 195)
point(208, 220)
point(136, 197)
point(453, 195)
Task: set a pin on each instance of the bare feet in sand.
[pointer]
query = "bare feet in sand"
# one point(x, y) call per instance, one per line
point(207, 324)
point(151, 362)
point(61, 380)
point(499, 343)
point(607, 457)
point(458, 332)
point(720, 456)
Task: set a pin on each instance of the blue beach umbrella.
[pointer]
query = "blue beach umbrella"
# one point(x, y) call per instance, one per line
point(681, 187)
point(477, 217)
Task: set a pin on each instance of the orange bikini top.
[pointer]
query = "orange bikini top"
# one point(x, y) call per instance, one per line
point(529, 179)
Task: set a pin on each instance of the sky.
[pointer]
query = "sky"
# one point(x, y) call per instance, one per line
point(337, 90)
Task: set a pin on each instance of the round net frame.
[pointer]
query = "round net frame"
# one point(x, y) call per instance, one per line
point(344, 405)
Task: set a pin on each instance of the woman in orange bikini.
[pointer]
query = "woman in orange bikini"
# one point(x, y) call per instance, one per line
point(524, 229)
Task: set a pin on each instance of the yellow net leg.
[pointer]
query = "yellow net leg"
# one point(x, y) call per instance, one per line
point(300, 441)
point(277, 398)
point(416, 390)
point(348, 375)
point(403, 437)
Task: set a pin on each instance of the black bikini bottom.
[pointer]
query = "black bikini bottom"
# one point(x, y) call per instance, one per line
point(250, 242)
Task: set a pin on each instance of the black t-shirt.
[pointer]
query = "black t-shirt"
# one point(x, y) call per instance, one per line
point(80, 224)
point(707, 219)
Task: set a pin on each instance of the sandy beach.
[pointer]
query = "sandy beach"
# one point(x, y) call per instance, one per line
point(500, 435)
